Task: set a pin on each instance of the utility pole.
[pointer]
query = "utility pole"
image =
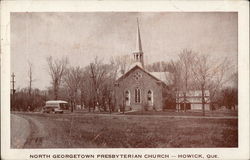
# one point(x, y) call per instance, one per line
point(13, 83)
point(13, 89)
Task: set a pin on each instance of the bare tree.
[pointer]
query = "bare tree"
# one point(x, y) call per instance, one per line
point(175, 70)
point(72, 80)
point(30, 79)
point(182, 76)
point(86, 88)
point(83, 85)
point(57, 69)
point(98, 73)
point(123, 62)
point(185, 60)
point(161, 66)
point(108, 86)
point(97, 84)
point(209, 76)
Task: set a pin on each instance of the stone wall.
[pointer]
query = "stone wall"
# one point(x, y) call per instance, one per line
point(137, 78)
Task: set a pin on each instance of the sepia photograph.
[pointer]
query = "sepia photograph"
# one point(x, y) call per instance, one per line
point(123, 80)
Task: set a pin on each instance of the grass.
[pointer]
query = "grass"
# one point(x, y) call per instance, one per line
point(215, 113)
point(95, 131)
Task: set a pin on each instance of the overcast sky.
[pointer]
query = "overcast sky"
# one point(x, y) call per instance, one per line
point(82, 36)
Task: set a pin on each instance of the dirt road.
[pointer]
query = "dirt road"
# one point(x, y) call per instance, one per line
point(20, 130)
point(28, 132)
point(37, 133)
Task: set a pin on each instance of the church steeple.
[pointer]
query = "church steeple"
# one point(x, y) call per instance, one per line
point(138, 53)
point(138, 41)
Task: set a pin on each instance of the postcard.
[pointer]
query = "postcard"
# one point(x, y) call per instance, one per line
point(125, 80)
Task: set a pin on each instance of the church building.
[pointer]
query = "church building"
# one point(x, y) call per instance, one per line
point(138, 89)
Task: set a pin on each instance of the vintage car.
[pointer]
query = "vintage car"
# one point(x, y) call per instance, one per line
point(55, 106)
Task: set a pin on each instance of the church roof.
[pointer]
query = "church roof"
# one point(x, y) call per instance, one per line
point(131, 67)
point(163, 76)
point(159, 76)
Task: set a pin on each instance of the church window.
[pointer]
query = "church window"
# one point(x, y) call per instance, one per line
point(137, 95)
point(150, 97)
point(127, 98)
point(137, 76)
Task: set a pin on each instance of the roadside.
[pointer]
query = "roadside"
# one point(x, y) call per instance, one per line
point(139, 114)
point(20, 130)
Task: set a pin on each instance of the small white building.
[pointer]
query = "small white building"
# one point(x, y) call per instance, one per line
point(192, 99)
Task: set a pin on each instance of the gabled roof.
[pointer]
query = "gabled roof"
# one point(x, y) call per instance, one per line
point(158, 76)
point(119, 73)
point(163, 76)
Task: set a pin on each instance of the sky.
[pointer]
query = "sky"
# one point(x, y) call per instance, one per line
point(83, 35)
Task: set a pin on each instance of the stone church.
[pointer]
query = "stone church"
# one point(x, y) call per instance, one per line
point(138, 89)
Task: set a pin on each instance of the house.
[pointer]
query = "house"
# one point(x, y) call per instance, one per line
point(138, 89)
point(192, 99)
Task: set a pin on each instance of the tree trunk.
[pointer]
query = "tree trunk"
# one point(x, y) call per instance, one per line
point(82, 99)
point(75, 99)
point(185, 99)
point(178, 105)
point(55, 91)
point(109, 103)
point(89, 104)
point(72, 105)
point(203, 101)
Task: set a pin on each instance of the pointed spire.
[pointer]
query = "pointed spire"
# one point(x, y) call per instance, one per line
point(138, 41)
point(138, 53)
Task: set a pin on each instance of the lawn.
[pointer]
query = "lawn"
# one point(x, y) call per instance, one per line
point(214, 113)
point(96, 131)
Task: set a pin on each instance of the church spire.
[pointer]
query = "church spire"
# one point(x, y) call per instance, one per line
point(138, 41)
point(138, 53)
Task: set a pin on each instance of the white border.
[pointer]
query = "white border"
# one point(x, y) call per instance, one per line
point(80, 6)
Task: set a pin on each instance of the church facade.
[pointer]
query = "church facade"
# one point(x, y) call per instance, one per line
point(138, 89)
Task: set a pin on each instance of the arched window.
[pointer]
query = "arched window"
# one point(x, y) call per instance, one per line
point(137, 95)
point(127, 98)
point(150, 97)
